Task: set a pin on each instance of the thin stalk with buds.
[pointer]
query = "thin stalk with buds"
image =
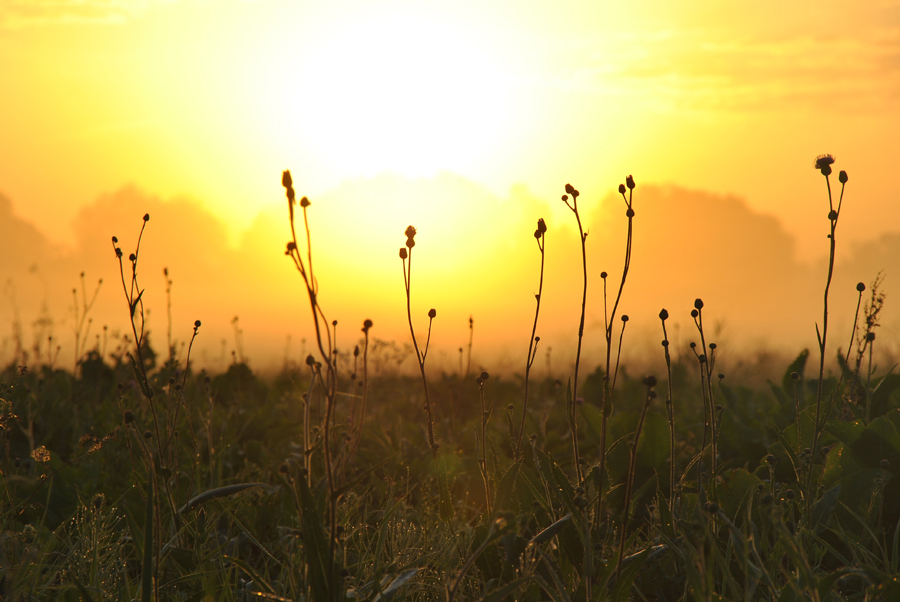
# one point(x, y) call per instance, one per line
point(571, 405)
point(670, 410)
point(323, 341)
point(609, 385)
point(539, 235)
point(421, 355)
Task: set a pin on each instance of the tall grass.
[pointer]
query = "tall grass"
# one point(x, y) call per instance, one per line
point(320, 488)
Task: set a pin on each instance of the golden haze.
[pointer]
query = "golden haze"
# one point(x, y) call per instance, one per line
point(464, 119)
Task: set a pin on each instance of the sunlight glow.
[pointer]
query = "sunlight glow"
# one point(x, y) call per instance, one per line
point(407, 94)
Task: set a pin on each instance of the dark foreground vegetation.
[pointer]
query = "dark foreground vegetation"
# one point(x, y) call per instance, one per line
point(138, 478)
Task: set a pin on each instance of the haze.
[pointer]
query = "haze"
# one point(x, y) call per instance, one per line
point(465, 120)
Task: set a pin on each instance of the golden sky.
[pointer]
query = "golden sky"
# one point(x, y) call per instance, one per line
point(478, 112)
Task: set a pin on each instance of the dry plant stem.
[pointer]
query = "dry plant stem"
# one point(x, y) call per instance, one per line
point(629, 482)
point(323, 339)
point(484, 472)
point(81, 332)
point(471, 337)
point(823, 336)
point(187, 365)
point(420, 355)
point(573, 422)
point(706, 386)
point(365, 395)
point(135, 304)
point(670, 411)
point(609, 386)
point(532, 342)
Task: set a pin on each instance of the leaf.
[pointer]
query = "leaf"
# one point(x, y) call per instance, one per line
point(446, 505)
point(503, 593)
point(626, 579)
point(398, 582)
point(507, 486)
point(323, 578)
point(135, 304)
point(823, 509)
point(798, 366)
point(218, 492)
point(551, 531)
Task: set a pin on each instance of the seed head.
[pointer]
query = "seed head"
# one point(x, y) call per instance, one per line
point(622, 188)
point(304, 202)
point(824, 162)
point(860, 287)
point(698, 304)
point(663, 315)
point(603, 275)
point(694, 313)
point(146, 217)
point(629, 212)
point(624, 317)
point(356, 352)
point(410, 232)
point(132, 257)
point(115, 240)
point(541, 225)
point(712, 346)
point(403, 253)
point(286, 180)
point(367, 325)
point(432, 313)
point(485, 376)
point(629, 181)
point(310, 360)
point(832, 215)
point(196, 323)
point(571, 190)
point(842, 177)
point(870, 336)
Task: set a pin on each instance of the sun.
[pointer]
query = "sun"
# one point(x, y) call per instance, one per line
point(406, 93)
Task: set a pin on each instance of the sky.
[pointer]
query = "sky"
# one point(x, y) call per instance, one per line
point(466, 119)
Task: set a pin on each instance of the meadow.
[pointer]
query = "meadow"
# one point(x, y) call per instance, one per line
point(134, 475)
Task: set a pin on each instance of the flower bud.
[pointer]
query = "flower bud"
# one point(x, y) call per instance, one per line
point(621, 188)
point(698, 303)
point(286, 180)
point(403, 254)
point(663, 315)
point(860, 287)
point(432, 313)
point(146, 217)
point(629, 181)
point(842, 177)
point(196, 323)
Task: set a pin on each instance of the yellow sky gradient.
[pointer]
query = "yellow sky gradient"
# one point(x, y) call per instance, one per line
point(479, 113)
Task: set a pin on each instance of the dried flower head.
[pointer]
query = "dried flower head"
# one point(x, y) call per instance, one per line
point(403, 253)
point(629, 181)
point(622, 188)
point(432, 313)
point(286, 180)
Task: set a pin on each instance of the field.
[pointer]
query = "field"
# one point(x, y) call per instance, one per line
point(135, 476)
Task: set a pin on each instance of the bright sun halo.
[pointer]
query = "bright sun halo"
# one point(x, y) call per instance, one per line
point(406, 94)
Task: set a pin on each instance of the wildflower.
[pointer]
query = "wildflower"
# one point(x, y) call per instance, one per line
point(823, 164)
point(41, 454)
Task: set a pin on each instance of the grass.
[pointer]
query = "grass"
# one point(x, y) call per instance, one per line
point(125, 479)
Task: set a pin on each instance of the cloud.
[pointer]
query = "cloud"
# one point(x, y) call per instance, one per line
point(703, 69)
